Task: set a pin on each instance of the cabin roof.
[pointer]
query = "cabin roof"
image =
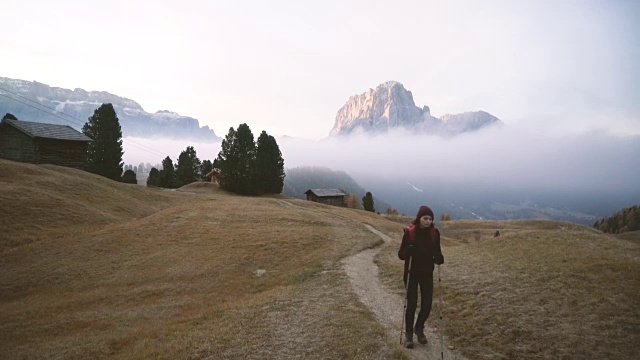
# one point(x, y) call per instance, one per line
point(325, 192)
point(48, 131)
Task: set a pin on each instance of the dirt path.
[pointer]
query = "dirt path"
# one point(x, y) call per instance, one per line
point(387, 306)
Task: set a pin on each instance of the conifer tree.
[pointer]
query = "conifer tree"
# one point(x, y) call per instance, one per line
point(153, 178)
point(129, 177)
point(104, 154)
point(188, 167)
point(9, 116)
point(167, 176)
point(269, 165)
point(227, 160)
point(367, 202)
point(246, 150)
point(236, 160)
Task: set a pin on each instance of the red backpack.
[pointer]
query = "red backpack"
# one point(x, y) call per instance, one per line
point(411, 229)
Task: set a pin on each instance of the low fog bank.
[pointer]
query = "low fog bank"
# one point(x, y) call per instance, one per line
point(498, 173)
point(503, 172)
point(505, 156)
point(153, 151)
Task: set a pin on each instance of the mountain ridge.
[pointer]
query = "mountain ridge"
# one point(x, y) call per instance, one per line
point(73, 107)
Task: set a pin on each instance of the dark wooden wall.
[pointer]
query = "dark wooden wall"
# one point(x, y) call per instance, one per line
point(330, 200)
point(16, 146)
point(62, 152)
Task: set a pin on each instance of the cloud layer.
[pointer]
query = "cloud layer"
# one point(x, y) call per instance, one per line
point(508, 157)
point(516, 157)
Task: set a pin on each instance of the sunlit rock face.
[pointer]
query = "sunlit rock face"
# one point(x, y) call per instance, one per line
point(390, 106)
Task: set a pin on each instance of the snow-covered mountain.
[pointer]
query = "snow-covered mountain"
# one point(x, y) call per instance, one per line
point(390, 105)
point(37, 102)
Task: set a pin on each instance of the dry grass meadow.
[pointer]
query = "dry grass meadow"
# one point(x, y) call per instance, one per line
point(539, 290)
point(633, 236)
point(97, 269)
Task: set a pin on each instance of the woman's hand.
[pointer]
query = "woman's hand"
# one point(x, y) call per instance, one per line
point(410, 251)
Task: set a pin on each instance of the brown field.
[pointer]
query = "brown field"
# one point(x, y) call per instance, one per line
point(94, 269)
point(633, 236)
point(540, 290)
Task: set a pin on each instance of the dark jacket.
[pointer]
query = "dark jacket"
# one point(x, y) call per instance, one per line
point(426, 247)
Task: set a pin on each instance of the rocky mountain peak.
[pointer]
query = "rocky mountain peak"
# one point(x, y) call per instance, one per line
point(390, 105)
point(377, 110)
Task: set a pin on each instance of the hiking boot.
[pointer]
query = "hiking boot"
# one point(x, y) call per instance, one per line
point(408, 343)
point(421, 338)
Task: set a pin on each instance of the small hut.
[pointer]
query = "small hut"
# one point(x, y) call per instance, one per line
point(41, 143)
point(333, 197)
point(215, 176)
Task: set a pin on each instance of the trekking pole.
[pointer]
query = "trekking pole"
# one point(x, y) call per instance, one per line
point(441, 319)
point(406, 295)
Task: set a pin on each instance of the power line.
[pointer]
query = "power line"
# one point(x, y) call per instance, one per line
point(157, 152)
point(40, 104)
point(79, 123)
point(24, 103)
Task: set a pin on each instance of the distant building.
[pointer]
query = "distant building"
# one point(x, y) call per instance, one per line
point(215, 176)
point(333, 197)
point(40, 143)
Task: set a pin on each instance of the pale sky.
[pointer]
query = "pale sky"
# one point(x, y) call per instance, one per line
point(288, 66)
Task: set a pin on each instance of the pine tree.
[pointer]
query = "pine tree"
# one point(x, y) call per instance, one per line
point(227, 160)
point(129, 177)
point(104, 154)
point(246, 150)
point(153, 178)
point(9, 116)
point(236, 161)
point(367, 202)
point(188, 167)
point(167, 176)
point(269, 165)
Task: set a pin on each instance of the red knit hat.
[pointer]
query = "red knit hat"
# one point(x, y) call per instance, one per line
point(424, 210)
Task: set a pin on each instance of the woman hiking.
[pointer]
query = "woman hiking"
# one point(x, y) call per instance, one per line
point(421, 245)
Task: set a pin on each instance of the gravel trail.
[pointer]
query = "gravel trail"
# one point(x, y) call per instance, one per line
point(387, 306)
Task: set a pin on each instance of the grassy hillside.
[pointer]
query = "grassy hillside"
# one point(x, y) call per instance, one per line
point(139, 273)
point(540, 290)
point(633, 236)
point(95, 269)
point(48, 201)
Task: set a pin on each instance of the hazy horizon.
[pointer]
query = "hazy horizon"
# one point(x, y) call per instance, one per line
point(508, 156)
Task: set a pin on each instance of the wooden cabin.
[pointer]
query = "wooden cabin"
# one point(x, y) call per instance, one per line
point(333, 197)
point(215, 176)
point(40, 143)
